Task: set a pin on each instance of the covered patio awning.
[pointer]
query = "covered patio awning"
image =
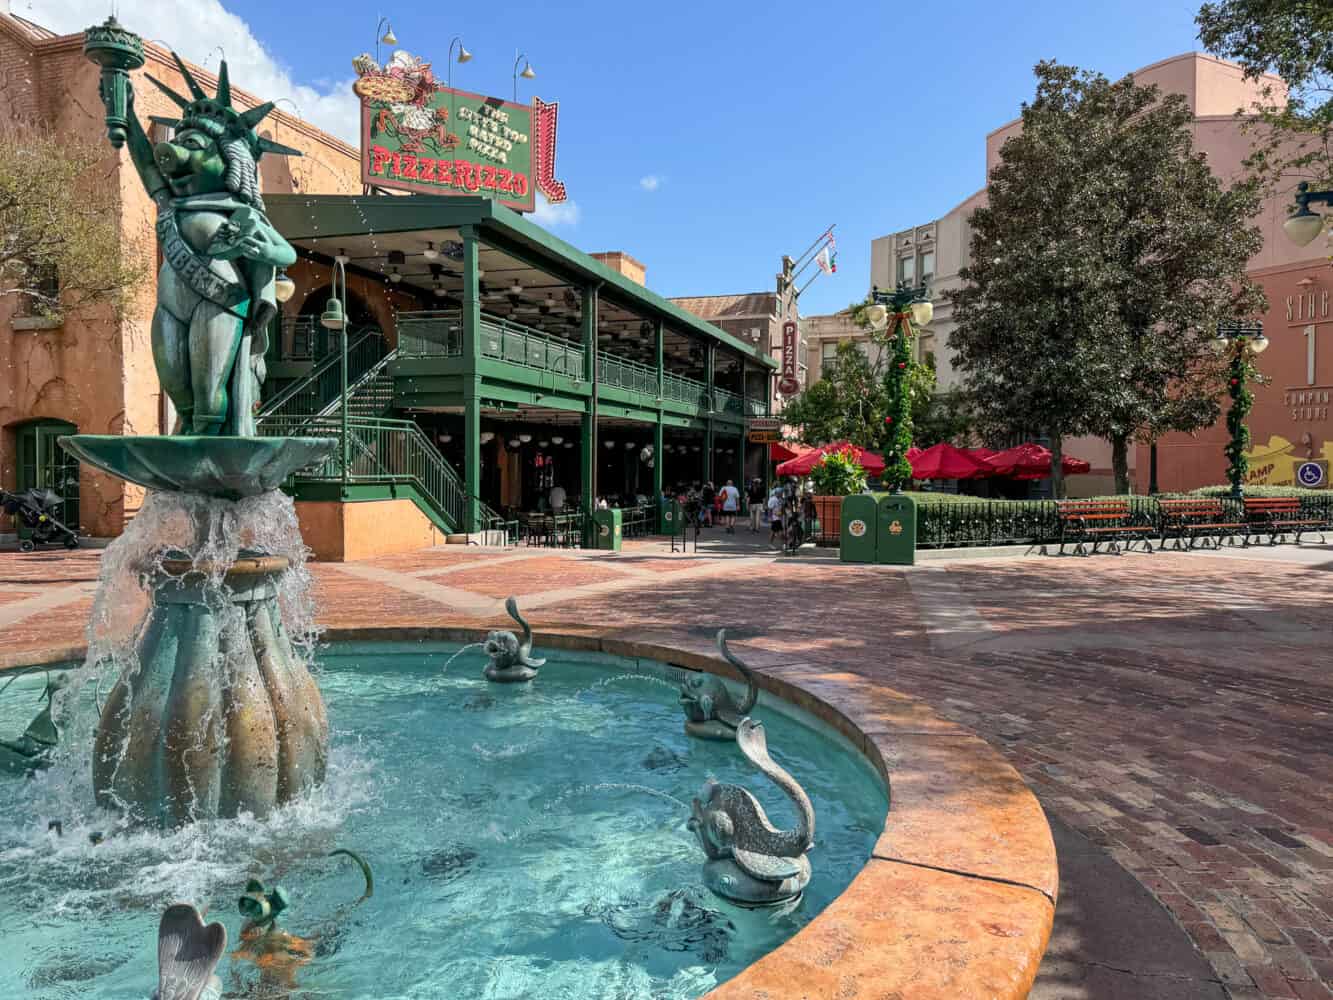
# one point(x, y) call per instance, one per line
point(1033, 461)
point(944, 461)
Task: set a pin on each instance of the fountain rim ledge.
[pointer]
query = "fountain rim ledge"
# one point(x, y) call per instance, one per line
point(958, 896)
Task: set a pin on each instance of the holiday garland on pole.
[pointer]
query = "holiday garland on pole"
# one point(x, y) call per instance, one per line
point(898, 422)
point(1242, 400)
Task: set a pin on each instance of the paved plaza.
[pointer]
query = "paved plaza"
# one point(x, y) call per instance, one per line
point(1171, 711)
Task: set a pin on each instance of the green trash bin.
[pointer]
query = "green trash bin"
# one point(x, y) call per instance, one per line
point(895, 541)
point(860, 524)
point(607, 529)
point(673, 517)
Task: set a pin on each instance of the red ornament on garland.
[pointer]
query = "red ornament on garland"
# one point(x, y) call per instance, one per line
point(888, 420)
point(1235, 381)
point(902, 364)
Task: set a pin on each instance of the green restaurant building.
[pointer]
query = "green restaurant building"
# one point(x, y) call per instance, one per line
point(483, 361)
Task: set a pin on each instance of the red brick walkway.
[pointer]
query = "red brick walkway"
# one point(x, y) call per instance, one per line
point(1176, 710)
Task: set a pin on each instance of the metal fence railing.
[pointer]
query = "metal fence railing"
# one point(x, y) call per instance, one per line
point(505, 340)
point(625, 374)
point(970, 522)
point(726, 401)
point(434, 333)
point(684, 390)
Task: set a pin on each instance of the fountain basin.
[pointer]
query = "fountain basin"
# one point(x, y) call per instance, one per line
point(230, 468)
point(956, 897)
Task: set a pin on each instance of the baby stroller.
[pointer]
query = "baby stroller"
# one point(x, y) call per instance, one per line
point(36, 510)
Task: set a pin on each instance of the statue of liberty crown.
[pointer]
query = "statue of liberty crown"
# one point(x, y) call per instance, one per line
point(216, 116)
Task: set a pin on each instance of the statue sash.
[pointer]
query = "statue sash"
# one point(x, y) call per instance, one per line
point(192, 266)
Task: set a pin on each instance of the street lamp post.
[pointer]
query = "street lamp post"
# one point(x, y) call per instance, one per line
point(1303, 225)
point(1243, 341)
point(388, 38)
point(906, 305)
point(335, 318)
point(463, 56)
point(528, 73)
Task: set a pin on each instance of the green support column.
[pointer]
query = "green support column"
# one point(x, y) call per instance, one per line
point(744, 442)
point(471, 386)
point(709, 362)
point(588, 440)
point(659, 456)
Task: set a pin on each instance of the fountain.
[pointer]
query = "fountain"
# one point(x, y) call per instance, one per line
point(215, 714)
point(711, 713)
point(511, 660)
point(750, 861)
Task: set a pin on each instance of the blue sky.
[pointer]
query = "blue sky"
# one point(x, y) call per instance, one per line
point(706, 139)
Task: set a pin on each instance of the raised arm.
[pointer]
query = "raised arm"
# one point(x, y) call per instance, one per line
point(141, 152)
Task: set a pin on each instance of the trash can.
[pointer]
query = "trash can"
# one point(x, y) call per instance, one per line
point(859, 529)
point(607, 529)
point(895, 540)
point(673, 517)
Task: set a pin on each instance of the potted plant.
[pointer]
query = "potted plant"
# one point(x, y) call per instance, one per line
point(837, 476)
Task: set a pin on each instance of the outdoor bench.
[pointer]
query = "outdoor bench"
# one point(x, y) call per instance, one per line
point(1188, 520)
point(1278, 517)
point(1096, 521)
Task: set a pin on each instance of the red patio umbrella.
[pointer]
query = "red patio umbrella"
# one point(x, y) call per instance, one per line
point(1032, 461)
point(780, 451)
point(944, 461)
point(803, 465)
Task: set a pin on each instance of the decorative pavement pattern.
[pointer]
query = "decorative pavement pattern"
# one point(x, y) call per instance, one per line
point(1173, 712)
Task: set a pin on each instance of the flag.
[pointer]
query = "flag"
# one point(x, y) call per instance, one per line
point(826, 261)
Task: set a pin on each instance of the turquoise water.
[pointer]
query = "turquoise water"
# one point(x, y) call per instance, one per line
point(527, 841)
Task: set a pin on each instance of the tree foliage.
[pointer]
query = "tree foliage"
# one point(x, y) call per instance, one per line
point(1100, 266)
point(61, 248)
point(851, 399)
point(1292, 39)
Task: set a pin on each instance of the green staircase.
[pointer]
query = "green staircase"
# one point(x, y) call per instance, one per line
point(384, 456)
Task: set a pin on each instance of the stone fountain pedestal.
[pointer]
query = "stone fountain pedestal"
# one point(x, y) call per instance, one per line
point(217, 715)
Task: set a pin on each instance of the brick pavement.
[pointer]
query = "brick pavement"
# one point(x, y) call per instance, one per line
point(1174, 710)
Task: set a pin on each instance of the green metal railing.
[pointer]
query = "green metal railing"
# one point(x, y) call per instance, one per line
point(385, 451)
point(625, 374)
point(756, 407)
point(436, 333)
point(311, 394)
point(684, 390)
point(300, 335)
point(727, 402)
point(505, 340)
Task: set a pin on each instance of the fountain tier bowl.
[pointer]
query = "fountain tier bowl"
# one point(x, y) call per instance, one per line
point(527, 840)
point(230, 468)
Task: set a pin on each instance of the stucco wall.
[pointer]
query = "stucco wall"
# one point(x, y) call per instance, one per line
point(344, 532)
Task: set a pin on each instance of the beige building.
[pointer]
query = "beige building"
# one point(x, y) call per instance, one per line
point(937, 251)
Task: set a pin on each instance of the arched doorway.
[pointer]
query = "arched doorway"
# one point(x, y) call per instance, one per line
point(359, 317)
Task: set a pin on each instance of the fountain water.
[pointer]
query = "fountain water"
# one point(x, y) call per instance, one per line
point(214, 712)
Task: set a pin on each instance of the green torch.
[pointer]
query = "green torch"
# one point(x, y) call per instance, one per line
point(117, 50)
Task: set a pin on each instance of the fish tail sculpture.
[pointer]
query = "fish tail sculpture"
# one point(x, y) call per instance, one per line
point(711, 713)
point(32, 750)
point(187, 953)
point(511, 659)
point(750, 861)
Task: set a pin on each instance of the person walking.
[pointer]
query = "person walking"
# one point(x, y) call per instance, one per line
point(731, 505)
point(775, 516)
point(556, 498)
point(756, 498)
point(708, 495)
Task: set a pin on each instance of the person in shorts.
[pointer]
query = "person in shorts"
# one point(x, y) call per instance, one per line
point(707, 497)
point(731, 505)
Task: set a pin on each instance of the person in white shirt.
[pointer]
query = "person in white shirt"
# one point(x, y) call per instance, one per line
point(556, 498)
point(731, 505)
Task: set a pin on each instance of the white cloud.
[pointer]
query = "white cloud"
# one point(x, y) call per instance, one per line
point(196, 29)
point(650, 183)
point(565, 213)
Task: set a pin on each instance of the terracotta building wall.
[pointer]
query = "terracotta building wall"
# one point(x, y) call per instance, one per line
point(94, 370)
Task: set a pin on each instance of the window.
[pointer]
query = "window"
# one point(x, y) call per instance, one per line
point(45, 280)
point(906, 270)
point(828, 350)
point(927, 266)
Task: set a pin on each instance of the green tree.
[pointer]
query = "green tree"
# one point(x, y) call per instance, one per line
point(60, 246)
point(1292, 39)
point(1104, 259)
point(846, 403)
